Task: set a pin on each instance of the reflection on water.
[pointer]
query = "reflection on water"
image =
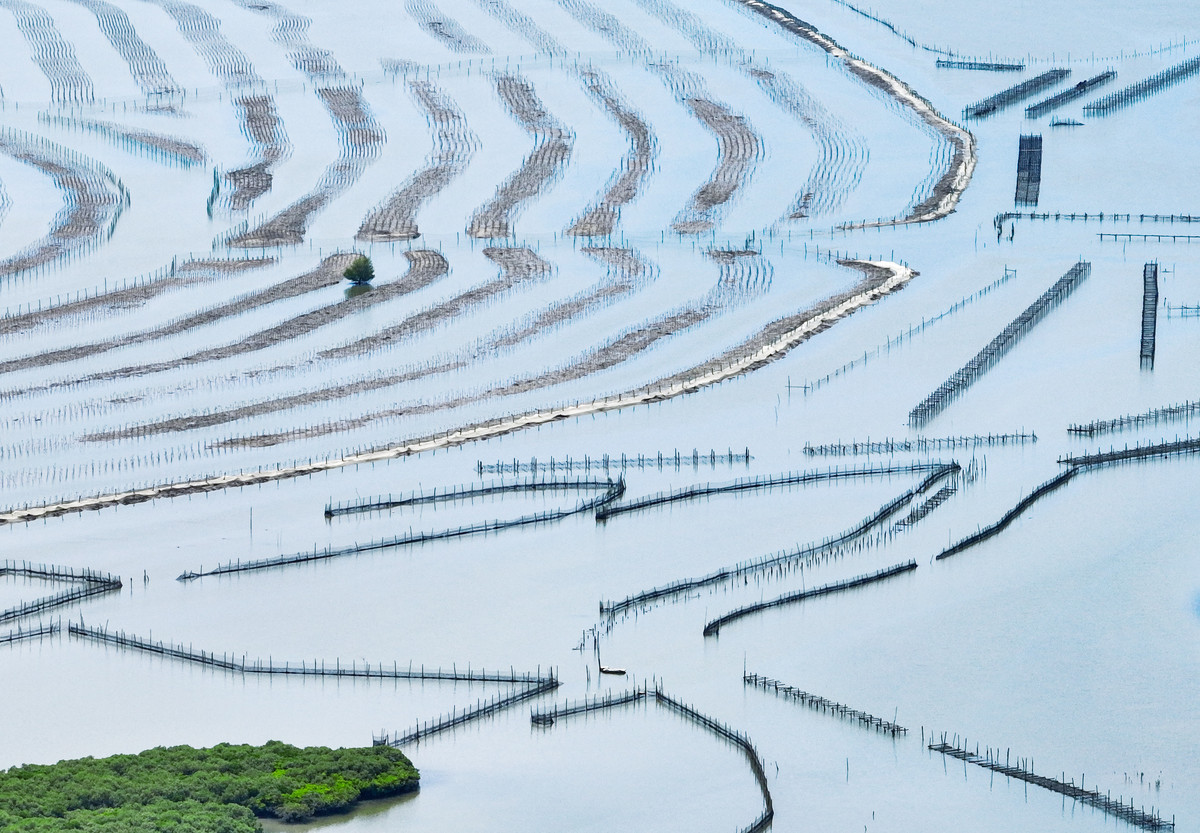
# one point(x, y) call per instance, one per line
point(362, 811)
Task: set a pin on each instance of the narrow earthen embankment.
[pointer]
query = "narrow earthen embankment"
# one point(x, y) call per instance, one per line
point(950, 187)
point(773, 342)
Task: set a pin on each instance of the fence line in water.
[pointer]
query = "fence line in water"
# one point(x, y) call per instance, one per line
point(824, 705)
point(458, 493)
point(1153, 416)
point(1023, 771)
point(920, 444)
point(1144, 88)
point(1145, 238)
point(623, 461)
point(1008, 517)
point(1015, 93)
point(329, 553)
point(713, 628)
point(1068, 95)
point(1136, 452)
point(689, 713)
point(761, 482)
point(1029, 170)
point(1099, 217)
point(36, 632)
point(456, 718)
point(990, 355)
point(92, 583)
point(317, 668)
point(808, 553)
point(983, 66)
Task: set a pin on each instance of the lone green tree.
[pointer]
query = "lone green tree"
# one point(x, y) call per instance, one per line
point(360, 270)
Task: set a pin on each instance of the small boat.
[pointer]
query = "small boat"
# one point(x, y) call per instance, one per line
point(607, 669)
point(1057, 122)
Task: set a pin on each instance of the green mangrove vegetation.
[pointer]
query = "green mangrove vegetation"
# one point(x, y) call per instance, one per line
point(182, 789)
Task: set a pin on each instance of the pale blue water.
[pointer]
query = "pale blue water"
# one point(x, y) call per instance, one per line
point(1072, 638)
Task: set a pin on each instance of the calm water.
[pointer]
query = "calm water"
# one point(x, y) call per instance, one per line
point(1073, 638)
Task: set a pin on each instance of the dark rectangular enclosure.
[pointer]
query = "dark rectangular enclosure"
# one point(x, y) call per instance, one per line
point(1149, 312)
point(1029, 170)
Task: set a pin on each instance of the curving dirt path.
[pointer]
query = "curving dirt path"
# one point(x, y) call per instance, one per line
point(425, 267)
point(773, 342)
point(54, 56)
point(517, 265)
point(329, 273)
point(185, 274)
point(95, 199)
point(841, 154)
point(454, 145)
point(553, 144)
point(951, 185)
point(738, 145)
point(600, 219)
point(260, 123)
point(147, 69)
point(359, 135)
point(444, 29)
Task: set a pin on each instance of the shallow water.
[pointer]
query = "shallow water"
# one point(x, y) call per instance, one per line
point(1070, 639)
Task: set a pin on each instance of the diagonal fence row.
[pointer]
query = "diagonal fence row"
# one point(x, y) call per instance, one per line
point(990, 355)
point(806, 555)
point(713, 628)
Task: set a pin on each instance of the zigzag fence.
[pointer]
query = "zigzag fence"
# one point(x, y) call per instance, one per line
point(226, 661)
point(986, 358)
point(1137, 452)
point(1018, 92)
point(413, 538)
point(1165, 414)
point(660, 697)
point(824, 705)
point(759, 483)
point(93, 584)
point(459, 493)
point(1093, 798)
point(982, 535)
point(808, 554)
point(713, 628)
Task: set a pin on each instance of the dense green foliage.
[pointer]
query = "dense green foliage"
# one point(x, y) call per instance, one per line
point(360, 270)
point(187, 790)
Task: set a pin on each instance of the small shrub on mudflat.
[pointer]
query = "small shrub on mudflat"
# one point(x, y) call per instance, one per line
point(360, 270)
